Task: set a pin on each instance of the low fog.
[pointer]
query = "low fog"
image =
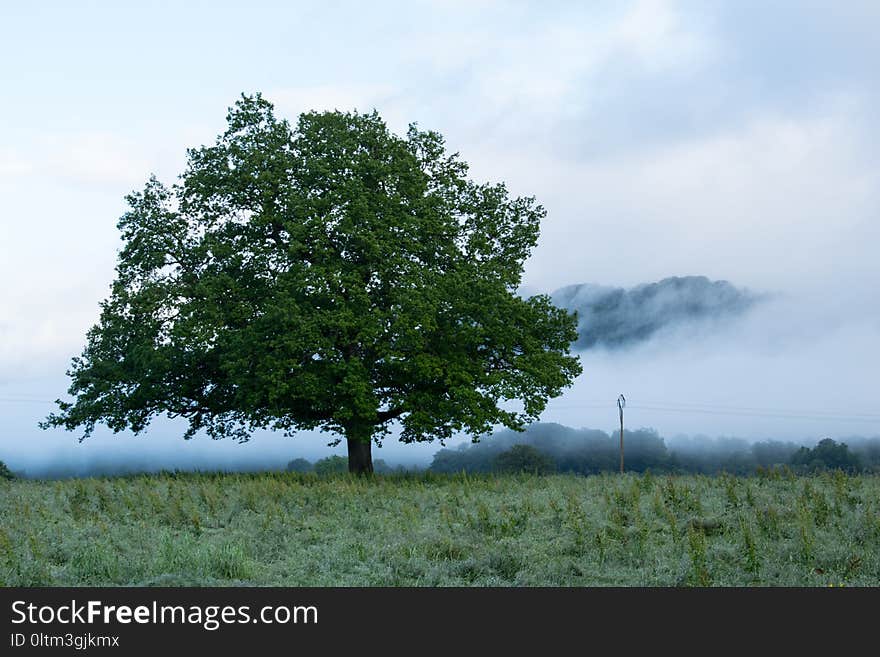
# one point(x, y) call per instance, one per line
point(794, 366)
point(784, 367)
point(556, 448)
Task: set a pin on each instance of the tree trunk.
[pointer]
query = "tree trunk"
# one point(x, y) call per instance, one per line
point(360, 457)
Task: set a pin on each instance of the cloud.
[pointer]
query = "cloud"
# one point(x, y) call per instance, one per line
point(656, 34)
point(81, 158)
point(12, 164)
point(515, 75)
point(777, 203)
point(292, 101)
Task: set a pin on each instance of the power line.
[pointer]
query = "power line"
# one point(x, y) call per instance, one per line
point(731, 410)
point(761, 410)
point(789, 416)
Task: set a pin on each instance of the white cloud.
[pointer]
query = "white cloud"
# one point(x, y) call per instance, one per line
point(12, 164)
point(776, 202)
point(95, 158)
point(82, 158)
point(291, 101)
point(544, 65)
point(657, 35)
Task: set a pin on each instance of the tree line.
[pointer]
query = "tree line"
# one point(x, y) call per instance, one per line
point(546, 448)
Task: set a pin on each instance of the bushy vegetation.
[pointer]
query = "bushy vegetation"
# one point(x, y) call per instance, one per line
point(524, 458)
point(5, 473)
point(292, 529)
point(336, 465)
point(585, 451)
point(590, 451)
point(827, 455)
point(331, 465)
point(300, 465)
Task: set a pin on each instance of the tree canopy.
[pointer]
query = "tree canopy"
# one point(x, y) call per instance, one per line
point(329, 275)
point(524, 458)
point(826, 455)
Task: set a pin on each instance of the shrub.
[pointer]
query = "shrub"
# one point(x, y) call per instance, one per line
point(5, 473)
point(827, 455)
point(331, 465)
point(381, 467)
point(300, 465)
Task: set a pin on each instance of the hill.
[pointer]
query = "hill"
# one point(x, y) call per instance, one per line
point(615, 317)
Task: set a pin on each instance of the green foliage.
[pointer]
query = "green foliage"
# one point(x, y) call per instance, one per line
point(300, 465)
point(570, 450)
point(827, 455)
point(5, 472)
point(331, 465)
point(590, 451)
point(329, 275)
point(750, 549)
point(697, 552)
point(524, 458)
point(381, 467)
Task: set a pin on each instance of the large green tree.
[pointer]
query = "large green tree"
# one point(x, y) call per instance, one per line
point(329, 276)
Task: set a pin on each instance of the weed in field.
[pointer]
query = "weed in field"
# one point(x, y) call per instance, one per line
point(697, 553)
point(768, 521)
point(806, 534)
point(730, 491)
point(229, 561)
point(600, 539)
point(750, 497)
point(750, 549)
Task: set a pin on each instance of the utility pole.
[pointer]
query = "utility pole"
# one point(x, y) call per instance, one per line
point(621, 403)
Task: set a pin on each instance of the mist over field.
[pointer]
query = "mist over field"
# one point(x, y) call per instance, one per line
point(712, 186)
point(794, 366)
point(716, 362)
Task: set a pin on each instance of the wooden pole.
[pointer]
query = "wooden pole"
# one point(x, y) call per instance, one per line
point(621, 402)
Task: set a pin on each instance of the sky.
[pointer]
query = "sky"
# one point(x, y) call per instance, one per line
point(735, 140)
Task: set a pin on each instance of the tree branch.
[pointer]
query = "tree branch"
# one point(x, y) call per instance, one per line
point(390, 414)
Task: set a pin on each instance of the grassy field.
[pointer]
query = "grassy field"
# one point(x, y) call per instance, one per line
point(299, 530)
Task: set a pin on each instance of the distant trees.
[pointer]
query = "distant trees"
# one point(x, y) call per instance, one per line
point(524, 458)
point(300, 465)
point(331, 465)
point(381, 467)
point(590, 451)
point(868, 452)
point(583, 451)
point(826, 455)
point(773, 453)
point(336, 464)
point(5, 473)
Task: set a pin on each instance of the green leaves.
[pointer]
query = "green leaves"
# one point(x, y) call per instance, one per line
point(331, 276)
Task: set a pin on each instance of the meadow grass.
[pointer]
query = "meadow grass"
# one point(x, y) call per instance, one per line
point(289, 529)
